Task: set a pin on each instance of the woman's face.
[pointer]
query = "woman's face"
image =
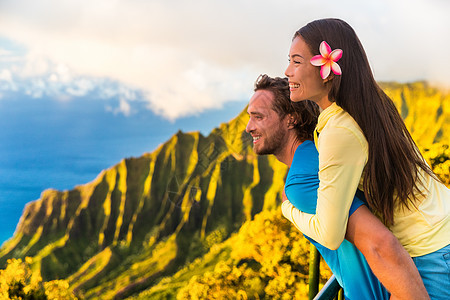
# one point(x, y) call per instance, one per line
point(305, 82)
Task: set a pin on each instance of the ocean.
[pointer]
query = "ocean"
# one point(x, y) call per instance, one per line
point(45, 143)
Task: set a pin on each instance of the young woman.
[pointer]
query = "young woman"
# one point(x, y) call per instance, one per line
point(285, 129)
point(363, 142)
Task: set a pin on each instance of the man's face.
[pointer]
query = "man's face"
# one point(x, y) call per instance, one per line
point(267, 129)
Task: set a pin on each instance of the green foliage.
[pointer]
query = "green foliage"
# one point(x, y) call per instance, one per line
point(215, 237)
point(425, 110)
point(18, 281)
point(164, 220)
point(438, 156)
point(269, 260)
point(168, 287)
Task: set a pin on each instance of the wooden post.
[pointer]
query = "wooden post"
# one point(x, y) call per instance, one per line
point(341, 294)
point(314, 271)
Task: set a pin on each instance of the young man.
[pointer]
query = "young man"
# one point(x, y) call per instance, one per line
point(285, 129)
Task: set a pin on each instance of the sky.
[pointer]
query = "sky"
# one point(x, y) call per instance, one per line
point(181, 58)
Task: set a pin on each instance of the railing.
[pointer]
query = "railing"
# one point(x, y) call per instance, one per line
point(331, 290)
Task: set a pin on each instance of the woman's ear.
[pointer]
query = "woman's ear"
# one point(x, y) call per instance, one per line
point(329, 78)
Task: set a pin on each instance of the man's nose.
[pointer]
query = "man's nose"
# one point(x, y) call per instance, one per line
point(249, 128)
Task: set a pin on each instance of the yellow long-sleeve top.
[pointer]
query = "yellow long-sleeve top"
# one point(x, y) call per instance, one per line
point(343, 153)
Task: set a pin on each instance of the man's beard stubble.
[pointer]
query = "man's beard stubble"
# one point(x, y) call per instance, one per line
point(273, 144)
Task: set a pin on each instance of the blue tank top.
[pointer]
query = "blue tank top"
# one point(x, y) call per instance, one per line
point(347, 263)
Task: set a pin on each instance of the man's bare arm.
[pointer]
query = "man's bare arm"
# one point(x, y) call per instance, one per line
point(387, 258)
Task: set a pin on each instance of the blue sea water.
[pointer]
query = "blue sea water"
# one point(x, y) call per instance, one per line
point(46, 143)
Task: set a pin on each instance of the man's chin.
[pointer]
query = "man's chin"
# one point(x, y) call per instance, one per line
point(256, 150)
point(261, 151)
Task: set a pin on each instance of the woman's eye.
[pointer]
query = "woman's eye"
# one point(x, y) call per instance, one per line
point(294, 61)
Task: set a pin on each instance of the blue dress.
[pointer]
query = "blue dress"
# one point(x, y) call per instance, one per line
point(347, 263)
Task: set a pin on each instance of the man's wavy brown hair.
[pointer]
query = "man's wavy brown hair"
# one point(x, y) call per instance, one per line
point(304, 113)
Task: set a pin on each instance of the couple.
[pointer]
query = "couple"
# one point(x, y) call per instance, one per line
point(363, 144)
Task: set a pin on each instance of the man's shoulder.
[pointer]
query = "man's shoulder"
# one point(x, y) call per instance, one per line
point(306, 160)
point(305, 151)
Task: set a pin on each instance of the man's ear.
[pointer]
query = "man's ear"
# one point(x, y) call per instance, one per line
point(291, 121)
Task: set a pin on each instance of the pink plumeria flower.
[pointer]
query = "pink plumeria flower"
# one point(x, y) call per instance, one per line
point(327, 59)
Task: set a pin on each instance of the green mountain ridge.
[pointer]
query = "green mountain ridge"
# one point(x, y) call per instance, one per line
point(146, 219)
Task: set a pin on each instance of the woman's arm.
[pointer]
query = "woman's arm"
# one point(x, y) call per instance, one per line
point(342, 156)
point(385, 255)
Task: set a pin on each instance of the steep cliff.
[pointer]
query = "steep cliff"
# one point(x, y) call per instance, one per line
point(137, 220)
point(145, 218)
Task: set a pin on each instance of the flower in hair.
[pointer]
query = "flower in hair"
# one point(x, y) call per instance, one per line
point(327, 60)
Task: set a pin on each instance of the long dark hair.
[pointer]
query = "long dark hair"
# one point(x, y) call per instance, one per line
point(391, 175)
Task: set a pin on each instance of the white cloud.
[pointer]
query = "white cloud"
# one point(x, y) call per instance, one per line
point(123, 108)
point(188, 56)
point(5, 75)
point(80, 87)
point(6, 81)
point(4, 53)
point(41, 78)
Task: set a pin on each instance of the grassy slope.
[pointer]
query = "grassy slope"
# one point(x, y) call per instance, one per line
point(150, 218)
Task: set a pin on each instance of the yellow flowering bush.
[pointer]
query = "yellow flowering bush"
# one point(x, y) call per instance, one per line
point(18, 281)
point(269, 260)
point(438, 156)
